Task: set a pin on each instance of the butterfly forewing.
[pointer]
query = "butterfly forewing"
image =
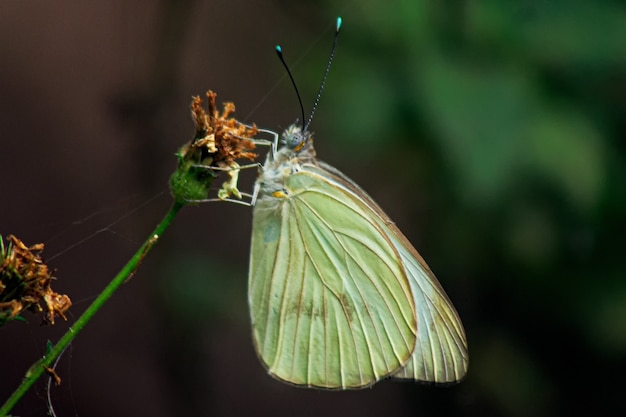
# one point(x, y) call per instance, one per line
point(330, 300)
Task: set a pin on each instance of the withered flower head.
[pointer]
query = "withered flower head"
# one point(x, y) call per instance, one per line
point(25, 283)
point(221, 137)
point(220, 140)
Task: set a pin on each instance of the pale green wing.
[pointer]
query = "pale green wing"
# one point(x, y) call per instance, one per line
point(330, 301)
point(440, 354)
point(441, 349)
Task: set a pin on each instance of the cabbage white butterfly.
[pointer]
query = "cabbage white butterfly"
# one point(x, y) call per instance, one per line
point(339, 298)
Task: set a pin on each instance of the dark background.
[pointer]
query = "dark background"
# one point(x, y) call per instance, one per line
point(492, 133)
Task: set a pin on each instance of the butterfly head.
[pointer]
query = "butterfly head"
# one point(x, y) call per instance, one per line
point(296, 139)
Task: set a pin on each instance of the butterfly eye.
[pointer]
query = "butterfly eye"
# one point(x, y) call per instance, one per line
point(294, 138)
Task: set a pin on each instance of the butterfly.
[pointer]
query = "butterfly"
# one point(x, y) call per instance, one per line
point(339, 298)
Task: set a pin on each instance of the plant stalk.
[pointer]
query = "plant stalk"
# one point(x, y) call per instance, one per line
point(39, 367)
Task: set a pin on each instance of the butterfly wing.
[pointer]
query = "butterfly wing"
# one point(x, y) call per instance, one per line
point(440, 353)
point(330, 301)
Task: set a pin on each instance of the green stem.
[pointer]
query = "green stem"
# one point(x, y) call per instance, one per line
point(127, 271)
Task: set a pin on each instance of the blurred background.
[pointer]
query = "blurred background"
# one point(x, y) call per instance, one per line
point(490, 131)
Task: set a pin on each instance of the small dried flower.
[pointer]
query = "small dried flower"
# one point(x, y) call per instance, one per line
point(219, 142)
point(25, 283)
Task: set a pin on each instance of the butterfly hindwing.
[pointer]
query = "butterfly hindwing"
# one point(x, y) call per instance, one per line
point(440, 354)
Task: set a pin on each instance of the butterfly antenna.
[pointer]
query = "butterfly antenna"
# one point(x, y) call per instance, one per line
point(279, 51)
point(330, 61)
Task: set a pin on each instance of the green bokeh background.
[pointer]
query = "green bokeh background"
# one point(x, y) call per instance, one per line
point(491, 131)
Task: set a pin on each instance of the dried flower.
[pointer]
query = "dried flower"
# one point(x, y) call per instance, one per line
point(219, 142)
point(25, 283)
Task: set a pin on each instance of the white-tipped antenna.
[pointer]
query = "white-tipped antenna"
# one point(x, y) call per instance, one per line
point(279, 51)
point(330, 61)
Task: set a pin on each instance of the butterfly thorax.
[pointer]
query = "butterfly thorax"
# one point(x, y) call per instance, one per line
point(297, 151)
